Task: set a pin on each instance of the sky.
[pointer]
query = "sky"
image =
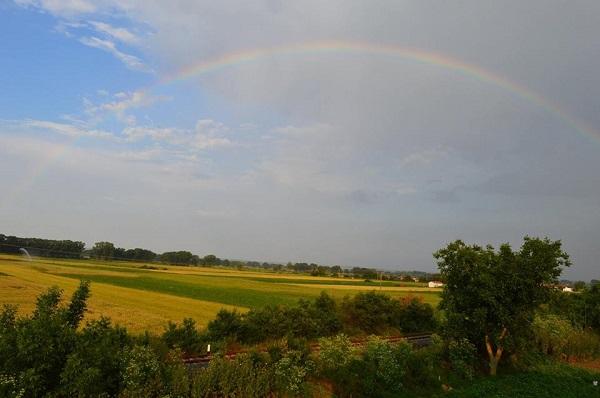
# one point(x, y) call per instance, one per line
point(355, 132)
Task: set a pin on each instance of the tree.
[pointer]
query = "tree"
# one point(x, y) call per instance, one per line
point(210, 259)
point(490, 296)
point(103, 250)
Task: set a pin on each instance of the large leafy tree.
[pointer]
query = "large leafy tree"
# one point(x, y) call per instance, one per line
point(103, 250)
point(491, 295)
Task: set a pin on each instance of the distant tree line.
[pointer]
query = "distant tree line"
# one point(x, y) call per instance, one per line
point(42, 247)
point(105, 250)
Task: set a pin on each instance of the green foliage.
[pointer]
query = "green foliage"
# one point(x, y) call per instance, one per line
point(94, 367)
point(582, 309)
point(176, 375)
point(227, 324)
point(103, 250)
point(291, 373)
point(335, 352)
point(35, 349)
point(179, 258)
point(424, 368)
point(42, 247)
point(246, 376)
point(385, 365)
point(142, 373)
point(550, 380)
point(186, 337)
point(490, 296)
point(306, 320)
point(374, 312)
point(552, 334)
point(557, 337)
point(462, 354)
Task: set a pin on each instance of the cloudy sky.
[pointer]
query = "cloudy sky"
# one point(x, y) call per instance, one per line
point(355, 132)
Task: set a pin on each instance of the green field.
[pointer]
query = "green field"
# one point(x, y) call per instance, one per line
point(145, 299)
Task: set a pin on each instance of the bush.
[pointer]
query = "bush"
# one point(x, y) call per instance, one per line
point(176, 375)
point(374, 312)
point(186, 337)
point(412, 315)
point(462, 355)
point(226, 324)
point(424, 365)
point(246, 376)
point(306, 320)
point(583, 344)
point(335, 353)
point(95, 365)
point(291, 373)
point(141, 374)
point(370, 312)
point(385, 365)
point(35, 349)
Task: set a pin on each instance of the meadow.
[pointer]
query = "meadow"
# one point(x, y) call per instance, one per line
point(141, 298)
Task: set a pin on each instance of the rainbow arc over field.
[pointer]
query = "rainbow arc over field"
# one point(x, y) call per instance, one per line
point(239, 58)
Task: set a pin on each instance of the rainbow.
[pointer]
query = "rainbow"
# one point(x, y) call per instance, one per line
point(446, 62)
point(240, 58)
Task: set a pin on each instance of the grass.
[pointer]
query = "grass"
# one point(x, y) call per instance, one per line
point(544, 380)
point(549, 380)
point(141, 298)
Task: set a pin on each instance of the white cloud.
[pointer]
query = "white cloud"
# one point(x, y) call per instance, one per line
point(124, 102)
point(208, 134)
point(131, 61)
point(136, 133)
point(117, 33)
point(61, 7)
point(67, 129)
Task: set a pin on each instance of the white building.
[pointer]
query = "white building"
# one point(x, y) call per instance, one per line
point(567, 289)
point(435, 284)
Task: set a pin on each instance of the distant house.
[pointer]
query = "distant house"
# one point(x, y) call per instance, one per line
point(435, 284)
point(415, 279)
point(567, 289)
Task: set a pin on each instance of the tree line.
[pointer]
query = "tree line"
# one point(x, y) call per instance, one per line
point(107, 251)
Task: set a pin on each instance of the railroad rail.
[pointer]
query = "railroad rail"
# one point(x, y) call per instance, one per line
point(417, 340)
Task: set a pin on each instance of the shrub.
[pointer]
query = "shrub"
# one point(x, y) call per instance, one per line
point(185, 336)
point(95, 365)
point(141, 374)
point(291, 373)
point(246, 376)
point(37, 347)
point(374, 312)
point(226, 324)
point(462, 354)
point(412, 315)
point(424, 365)
point(385, 364)
point(370, 312)
point(335, 353)
point(176, 375)
point(583, 344)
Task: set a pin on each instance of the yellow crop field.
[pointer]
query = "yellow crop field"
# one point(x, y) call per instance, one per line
point(140, 298)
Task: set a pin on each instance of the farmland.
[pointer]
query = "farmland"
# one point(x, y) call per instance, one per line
point(141, 298)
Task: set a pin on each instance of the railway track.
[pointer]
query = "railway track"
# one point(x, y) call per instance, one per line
point(417, 340)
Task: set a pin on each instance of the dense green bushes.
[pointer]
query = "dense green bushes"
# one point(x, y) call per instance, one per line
point(364, 313)
point(380, 368)
point(557, 337)
point(50, 354)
